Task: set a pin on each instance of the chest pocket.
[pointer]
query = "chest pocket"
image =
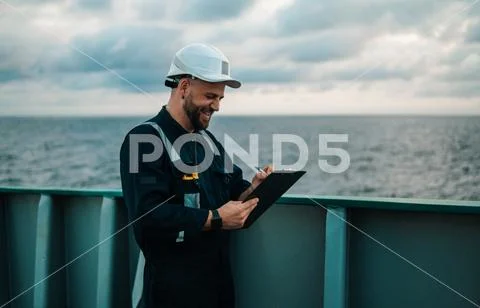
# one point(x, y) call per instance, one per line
point(190, 189)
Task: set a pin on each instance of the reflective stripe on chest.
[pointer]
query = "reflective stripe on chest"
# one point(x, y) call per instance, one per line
point(190, 199)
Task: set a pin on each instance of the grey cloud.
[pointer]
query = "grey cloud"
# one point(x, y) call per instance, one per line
point(473, 34)
point(324, 53)
point(241, 33)
point(451, 89)
point(305, 15)
point(459, 54)
point(463, 90)
point(19, 3)
point(126, 47)
point(19, 51)
point(138, 80)
point(192, 10)
point(460, 75)
point(324, 47)
point(462, 64)
point(151, 9)
point(77, 4)
point(92, 4)
point(146, 79)
point(212, 10)
point(7, 75)
point(463, 74)
point(141, 55)
point(8, 71)
point(260, 75)
point(371, 74)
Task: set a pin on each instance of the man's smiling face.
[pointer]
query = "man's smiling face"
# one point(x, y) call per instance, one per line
point(202, 100)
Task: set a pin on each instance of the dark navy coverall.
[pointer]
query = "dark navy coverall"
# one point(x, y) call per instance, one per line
point(184, 266)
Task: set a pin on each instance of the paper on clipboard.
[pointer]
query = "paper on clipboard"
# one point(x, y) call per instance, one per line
point(270, 190)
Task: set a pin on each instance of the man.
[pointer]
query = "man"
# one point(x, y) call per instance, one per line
point(182, 209)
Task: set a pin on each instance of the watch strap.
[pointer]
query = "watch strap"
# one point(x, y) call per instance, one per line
point(216, 222)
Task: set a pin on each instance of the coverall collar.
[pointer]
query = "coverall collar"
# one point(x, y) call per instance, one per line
point(164, 115)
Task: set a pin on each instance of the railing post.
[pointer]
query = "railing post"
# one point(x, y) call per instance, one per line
point(43, 254)
point(4, 266)
point(105, 290)
point(335, 259)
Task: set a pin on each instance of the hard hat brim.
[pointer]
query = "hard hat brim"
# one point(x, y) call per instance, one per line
point(227, 80)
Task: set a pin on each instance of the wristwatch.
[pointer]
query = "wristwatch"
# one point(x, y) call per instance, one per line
point(216, 222)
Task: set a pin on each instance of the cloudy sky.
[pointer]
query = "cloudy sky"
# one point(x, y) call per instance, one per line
point(82, 57)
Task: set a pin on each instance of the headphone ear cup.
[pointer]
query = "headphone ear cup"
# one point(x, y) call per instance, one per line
point(171, 84)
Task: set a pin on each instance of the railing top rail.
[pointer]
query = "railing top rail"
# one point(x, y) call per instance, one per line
point(405, 204)
point(399, 204)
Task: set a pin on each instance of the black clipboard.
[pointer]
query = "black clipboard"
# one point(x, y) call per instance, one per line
point(270, 190)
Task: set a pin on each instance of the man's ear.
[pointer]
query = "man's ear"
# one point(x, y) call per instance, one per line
point(184, 87)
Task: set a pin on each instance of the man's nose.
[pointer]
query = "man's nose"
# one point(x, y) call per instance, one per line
point(215, 105)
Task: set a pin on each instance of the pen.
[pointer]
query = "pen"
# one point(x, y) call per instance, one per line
point(260, 169)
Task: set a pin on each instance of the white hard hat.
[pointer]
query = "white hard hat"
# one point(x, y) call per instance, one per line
point(202, 61)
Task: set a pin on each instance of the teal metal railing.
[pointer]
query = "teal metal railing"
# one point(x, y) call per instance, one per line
point(69, 247)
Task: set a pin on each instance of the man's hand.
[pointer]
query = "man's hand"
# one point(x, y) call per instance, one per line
point(235, 213)
point(261, 175)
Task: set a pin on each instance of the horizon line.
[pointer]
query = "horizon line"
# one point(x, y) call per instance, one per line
point(93, 115)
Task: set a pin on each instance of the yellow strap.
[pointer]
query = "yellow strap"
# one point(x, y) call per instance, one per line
point(194, 176)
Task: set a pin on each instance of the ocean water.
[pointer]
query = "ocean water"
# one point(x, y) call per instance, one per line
point(390, 156)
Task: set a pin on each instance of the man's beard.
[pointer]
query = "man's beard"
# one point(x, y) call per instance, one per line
point(194, 113)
